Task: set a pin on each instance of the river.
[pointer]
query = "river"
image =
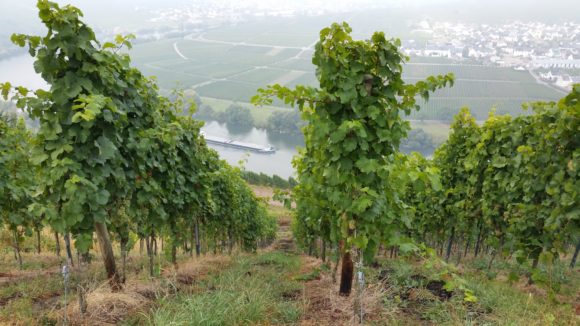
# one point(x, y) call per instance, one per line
point(278, 163)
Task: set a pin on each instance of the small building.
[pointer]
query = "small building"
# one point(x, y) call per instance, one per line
point(438, 50)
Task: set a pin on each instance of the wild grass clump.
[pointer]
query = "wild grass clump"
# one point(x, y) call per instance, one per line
point(255, 289)
point(503, 304)
point(500, 301)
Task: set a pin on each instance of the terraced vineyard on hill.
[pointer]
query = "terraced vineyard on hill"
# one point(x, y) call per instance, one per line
point(232, 67)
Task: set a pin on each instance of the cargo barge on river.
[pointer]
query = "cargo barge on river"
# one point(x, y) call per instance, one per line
point(238, 144)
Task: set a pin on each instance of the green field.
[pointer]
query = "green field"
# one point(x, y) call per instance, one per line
point(258, 75)
point(230, 63)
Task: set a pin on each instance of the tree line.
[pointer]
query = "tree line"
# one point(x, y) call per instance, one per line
point(262, 179)
point(238, 116)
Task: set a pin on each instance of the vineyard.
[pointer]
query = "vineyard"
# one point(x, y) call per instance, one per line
point(491, 224)
point(231, 63)
point(114, 158)
point(234, 72)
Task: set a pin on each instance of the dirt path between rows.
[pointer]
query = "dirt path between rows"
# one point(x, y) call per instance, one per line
point(323, 305)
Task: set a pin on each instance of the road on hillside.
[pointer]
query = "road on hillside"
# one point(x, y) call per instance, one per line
point(201, 38)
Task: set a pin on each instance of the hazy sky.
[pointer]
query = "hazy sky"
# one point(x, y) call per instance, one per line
point(126, 15)
point(534, 9)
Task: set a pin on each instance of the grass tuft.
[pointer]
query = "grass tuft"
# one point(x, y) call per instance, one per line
point(254, 290)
